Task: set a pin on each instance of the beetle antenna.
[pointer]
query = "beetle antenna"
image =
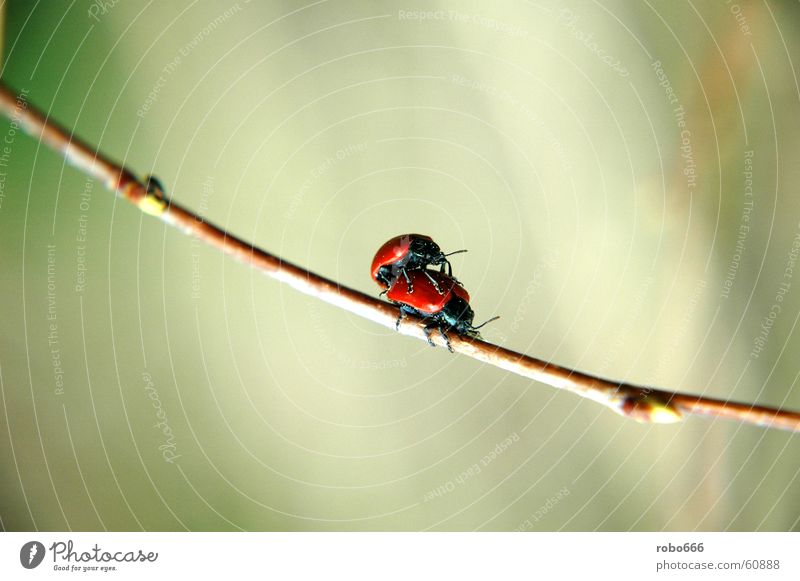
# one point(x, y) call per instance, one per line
point(455, 252)
point(485, 322)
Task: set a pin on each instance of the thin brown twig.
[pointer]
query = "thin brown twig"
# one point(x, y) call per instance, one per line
point(640, 403)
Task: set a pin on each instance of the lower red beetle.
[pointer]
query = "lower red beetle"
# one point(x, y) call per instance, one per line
point(437, 298)
point(407, 253)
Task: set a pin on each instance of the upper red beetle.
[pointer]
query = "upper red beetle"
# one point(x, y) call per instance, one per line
point(407, 253)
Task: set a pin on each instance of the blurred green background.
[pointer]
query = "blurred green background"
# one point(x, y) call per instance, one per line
point(150, 383)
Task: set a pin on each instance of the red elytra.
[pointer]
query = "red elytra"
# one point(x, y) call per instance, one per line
point(394, 251)
point(426, 298)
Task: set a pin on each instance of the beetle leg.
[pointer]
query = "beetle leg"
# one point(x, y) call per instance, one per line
point(446, 340)
point(427, 330)
point(408, 281)
point(435, 284)
point(399, 318)
point(383, 292)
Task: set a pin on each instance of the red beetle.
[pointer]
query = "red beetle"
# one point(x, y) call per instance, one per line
point(439, 299)
point(407, 253)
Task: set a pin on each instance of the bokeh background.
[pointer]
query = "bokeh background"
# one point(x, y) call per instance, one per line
point(624, 176)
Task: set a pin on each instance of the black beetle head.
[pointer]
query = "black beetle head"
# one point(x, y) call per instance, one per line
point(422, 252)
point(458, 315)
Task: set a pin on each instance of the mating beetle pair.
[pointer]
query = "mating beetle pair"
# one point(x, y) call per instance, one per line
point(401, 267)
